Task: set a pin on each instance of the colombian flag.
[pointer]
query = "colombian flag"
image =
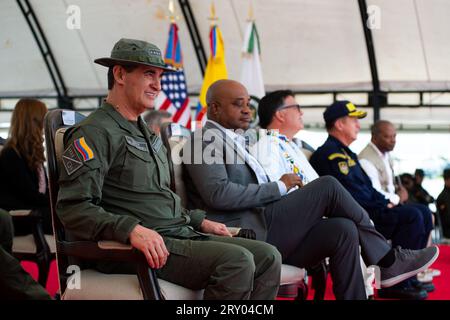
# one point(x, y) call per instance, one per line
point(83, 149)
point(216, 68)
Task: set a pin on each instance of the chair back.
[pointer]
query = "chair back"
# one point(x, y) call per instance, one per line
point(174, 136)
point(56, 123)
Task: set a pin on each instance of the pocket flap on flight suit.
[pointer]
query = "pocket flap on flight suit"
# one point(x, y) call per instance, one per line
point(137, 168)
point(143, 155)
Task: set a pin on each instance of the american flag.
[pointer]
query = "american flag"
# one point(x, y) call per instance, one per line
point(173, 96)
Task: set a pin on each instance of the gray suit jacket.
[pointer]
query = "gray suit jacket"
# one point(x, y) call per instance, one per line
point(228, 192)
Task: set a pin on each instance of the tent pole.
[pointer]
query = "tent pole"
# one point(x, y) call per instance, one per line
point(377, 98)
point(194, 33)
point(64, 101)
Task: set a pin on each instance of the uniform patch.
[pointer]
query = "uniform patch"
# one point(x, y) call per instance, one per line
point(156, 144)
point(71, 160)
point(83, 149)
point(351, 162)
point(140, 145)
point(343, 167)
point(337, 155)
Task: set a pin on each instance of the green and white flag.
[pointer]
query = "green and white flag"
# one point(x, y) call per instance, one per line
point(251, 75)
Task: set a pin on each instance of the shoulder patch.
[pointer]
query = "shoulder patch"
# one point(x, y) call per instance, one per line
point(337, 155)
point(140, 145)
point(71, 160)
point(84, 150)
point(343, 167)
point(156, 144)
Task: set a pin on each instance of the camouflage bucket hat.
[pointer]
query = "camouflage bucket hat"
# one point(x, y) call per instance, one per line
point(130, 51)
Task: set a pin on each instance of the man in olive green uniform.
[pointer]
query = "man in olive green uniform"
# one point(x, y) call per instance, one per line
point(114, 185)
point(15, 283)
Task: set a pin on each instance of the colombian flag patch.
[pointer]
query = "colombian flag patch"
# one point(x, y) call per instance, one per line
point(83, 149)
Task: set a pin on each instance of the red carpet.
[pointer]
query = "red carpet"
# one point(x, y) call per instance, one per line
point(442, 283)
point(52, 281)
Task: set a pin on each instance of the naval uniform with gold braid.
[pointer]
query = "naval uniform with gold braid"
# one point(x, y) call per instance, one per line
point(115, 176)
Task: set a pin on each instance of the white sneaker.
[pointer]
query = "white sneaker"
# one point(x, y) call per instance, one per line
point(424, 277)
point(433, 272)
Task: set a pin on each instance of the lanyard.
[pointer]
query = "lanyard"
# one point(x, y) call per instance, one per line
point(289, 159)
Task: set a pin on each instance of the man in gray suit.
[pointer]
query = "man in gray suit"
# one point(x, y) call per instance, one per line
point(231, 186)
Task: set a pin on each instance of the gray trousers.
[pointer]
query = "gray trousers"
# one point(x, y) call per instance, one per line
point(297, 228)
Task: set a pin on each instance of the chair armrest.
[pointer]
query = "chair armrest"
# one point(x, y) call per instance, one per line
point(26, 215)
point(110, 245)
point(115, 251)
point(20, 213)
point(102, 250)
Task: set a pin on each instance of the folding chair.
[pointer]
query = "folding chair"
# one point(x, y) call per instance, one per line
point(293, 282)
point(72, 256)
point(36, 246)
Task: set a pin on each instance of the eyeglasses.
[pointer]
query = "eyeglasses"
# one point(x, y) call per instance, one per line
point(289, 106)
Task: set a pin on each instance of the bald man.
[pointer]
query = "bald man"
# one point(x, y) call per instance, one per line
point(376, 161)
point(232, 187)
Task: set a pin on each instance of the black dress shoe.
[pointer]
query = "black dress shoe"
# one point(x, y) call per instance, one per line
point(427, 286)
point(407, 293)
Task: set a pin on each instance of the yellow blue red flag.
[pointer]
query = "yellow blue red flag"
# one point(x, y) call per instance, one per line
point(216, 68)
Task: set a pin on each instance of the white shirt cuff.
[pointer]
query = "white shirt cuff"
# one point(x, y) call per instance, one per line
point(282, 187)
point(394, 198)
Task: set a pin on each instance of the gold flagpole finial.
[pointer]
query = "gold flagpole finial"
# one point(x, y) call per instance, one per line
point(213, 16)
point(172, 17)
point(251, 17)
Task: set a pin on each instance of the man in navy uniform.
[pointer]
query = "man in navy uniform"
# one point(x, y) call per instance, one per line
point(402, 224)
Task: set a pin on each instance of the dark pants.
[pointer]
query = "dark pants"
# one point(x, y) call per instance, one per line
point(6, 231)
point(297, 228)
point(408, 225)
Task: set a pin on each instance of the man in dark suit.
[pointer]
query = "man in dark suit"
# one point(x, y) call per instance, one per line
point(231, 186)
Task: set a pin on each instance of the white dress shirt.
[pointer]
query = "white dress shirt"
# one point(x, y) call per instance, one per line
point(372, 172)
point(240, 143)
point(278, 155)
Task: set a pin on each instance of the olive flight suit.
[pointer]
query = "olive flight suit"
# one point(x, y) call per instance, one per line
point(115, 175)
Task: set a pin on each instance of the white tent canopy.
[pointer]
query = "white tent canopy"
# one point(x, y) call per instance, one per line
point(307, 46)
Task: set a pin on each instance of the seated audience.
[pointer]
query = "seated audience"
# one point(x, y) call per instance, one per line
point(23, 181)
point(420, 194)
point(443, 205)
point(406, 226)
point(278, 153)
point(233, 188)
point(121, 191)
